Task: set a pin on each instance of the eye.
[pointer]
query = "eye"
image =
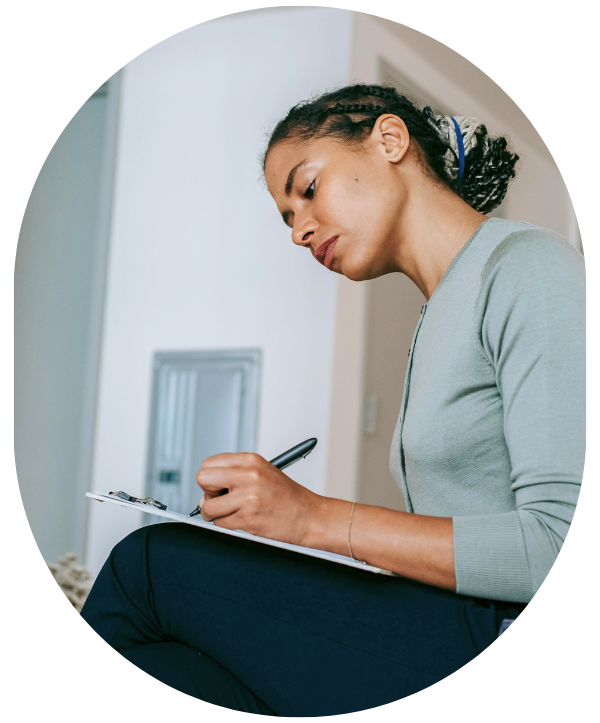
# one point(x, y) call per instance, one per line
point(310, 191)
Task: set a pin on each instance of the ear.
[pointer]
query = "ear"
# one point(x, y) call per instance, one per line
point(390, 134)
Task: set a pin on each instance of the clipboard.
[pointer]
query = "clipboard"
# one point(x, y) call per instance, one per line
point(199, 522)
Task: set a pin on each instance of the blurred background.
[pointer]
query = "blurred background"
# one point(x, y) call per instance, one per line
point(163, 313)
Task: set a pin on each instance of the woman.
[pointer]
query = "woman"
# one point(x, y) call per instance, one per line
point(488, 449)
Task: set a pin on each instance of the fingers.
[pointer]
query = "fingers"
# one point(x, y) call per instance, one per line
point(220, 506)
point(213, 479)
point(237, 488)
point(243, 459)
point(209, 494)
point(229, 522)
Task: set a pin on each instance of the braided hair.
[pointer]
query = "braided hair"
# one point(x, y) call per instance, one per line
point(351, 112)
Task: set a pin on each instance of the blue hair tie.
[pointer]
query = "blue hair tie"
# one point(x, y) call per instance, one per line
point(461, 151)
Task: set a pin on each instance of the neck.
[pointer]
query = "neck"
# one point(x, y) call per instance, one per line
point(433, 229)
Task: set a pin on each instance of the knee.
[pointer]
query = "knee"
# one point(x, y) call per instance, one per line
point(140, 542)
point(132, 556)
point(133, 546)
point(132, 542)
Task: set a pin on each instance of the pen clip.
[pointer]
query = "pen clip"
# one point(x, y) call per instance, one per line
point(302, 456)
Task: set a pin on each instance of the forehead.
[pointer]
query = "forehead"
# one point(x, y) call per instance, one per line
point(289, 153)
point(282, 158)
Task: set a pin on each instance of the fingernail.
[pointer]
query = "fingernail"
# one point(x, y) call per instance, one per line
point(201, 502)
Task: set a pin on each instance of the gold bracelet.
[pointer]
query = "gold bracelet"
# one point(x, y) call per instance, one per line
point(350, 531)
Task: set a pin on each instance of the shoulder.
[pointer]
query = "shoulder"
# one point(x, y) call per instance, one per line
point(528, 259)
point(532, 282)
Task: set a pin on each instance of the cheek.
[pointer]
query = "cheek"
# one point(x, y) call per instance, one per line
point(350, 205)
point(368, 215)
point(371, 223)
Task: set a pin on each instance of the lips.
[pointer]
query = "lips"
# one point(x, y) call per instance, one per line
point(325, 252)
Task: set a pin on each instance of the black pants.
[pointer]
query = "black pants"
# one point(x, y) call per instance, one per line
point(263, 630)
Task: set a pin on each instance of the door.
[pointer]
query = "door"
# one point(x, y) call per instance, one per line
point(203, 403)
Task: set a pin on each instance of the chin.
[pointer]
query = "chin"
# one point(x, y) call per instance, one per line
point(355, 276)
point(356, 271)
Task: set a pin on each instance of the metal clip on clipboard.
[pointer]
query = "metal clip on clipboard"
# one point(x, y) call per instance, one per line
point(143, 500)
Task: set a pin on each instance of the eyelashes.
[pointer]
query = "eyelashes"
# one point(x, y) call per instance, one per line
point(310, 191)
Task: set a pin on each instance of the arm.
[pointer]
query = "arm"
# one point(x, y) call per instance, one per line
point(531, 320)
point(416, 546)
point(264, 501)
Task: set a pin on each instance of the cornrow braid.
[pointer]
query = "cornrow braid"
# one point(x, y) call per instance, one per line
point(349, 114)
point(355, 108)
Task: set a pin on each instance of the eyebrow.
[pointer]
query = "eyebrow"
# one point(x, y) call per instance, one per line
point(291, 175)
point(289, 185)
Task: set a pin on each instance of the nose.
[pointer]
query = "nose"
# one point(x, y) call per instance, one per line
point(303, 231)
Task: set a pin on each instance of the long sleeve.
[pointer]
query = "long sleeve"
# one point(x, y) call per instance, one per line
point(530, 317)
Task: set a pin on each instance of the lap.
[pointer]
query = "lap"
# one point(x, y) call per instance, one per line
point(285, 623)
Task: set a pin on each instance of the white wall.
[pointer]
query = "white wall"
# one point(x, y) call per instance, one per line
point(199, 255)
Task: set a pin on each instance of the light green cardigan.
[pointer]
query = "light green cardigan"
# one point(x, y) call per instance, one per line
point(491, 430)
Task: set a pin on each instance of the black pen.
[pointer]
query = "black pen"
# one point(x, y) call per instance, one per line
point(283, 460)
